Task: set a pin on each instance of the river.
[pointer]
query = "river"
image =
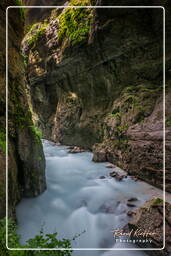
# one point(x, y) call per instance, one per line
point(78, 201)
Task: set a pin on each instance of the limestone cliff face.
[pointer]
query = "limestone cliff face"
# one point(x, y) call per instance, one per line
point(99, 84)
point(26, 163)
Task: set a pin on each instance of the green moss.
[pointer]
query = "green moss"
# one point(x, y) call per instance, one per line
point(157, 201)
point(25, 59)
point(21, 10)
point(121, 130)
point(75, 23)
point(20, 115)
point(37, 133)
point(3, 141)
point(36, 31)
point(168, 122)
point(114, 115)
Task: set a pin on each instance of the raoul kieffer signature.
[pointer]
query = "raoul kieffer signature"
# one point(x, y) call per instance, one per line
point(133, 233)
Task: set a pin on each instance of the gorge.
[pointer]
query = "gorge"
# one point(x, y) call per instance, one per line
point(90, 78)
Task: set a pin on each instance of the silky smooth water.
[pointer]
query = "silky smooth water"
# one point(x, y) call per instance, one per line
point(77, 201)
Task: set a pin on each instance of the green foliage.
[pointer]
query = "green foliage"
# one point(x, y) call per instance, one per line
point(39, 241)
point(158, 201)
point(75, 23)
point(37, 132)
point(3, 141)
point(25, 58)
point(13, 238)
point(36, 31)
point(121, 129)
point(20, 115)
point(168, 122)
point(18, 2)
point(115, 115)
point(21, 10)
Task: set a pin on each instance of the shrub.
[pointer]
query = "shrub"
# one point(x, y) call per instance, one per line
point(39, 241)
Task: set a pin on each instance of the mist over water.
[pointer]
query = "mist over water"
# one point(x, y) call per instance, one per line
point(77, 202)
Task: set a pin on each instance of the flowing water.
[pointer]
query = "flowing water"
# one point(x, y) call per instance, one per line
point(77, 201)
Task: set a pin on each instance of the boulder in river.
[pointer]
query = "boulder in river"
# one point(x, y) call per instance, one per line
point(132, 199)
point(130, 213)
point(76, 150)
point(117, 176)
point(110, 165)
point(102, 177)
point(131, 205)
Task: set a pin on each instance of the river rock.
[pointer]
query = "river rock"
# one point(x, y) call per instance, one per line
point(132, 199)
point(130, 213)
point(131, 205)
point(102, 177)
point(99, 156)
point(110, 165)
point(134, 178)
point(76, 150)
point(117, 176)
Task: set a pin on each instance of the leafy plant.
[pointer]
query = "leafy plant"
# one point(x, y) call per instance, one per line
point(39, 241)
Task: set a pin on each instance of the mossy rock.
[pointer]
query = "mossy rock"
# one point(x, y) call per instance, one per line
point(75, 23)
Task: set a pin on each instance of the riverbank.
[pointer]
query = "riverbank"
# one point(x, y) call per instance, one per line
point(79, 201)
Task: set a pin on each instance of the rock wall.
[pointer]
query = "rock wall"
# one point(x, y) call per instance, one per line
point(26, 163)
point(98, 83)
point(144, 219)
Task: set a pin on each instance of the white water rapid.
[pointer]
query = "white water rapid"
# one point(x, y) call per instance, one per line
point(77, 201)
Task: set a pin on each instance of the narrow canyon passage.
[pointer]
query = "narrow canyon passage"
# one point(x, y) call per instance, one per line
point(77, 201)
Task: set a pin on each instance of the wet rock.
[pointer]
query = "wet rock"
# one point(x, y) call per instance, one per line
point(102, 177)
point(117, 176)
point(130, 213)
point(132, 199)
point(149, 217)
point(109, 207)
point(76, 150)
point(110, 166)
point(113, 174)
point(99, 156)
point(131, 205)
point(134, 178)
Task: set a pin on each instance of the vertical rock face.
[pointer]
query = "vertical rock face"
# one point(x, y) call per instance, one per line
point(100, 81)
point(26, 163)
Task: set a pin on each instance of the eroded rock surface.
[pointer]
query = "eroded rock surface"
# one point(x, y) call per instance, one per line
point(150, 218)
point(26, 163)
point(102, 89)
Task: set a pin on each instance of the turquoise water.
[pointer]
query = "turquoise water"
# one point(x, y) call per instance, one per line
point(77, 201)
